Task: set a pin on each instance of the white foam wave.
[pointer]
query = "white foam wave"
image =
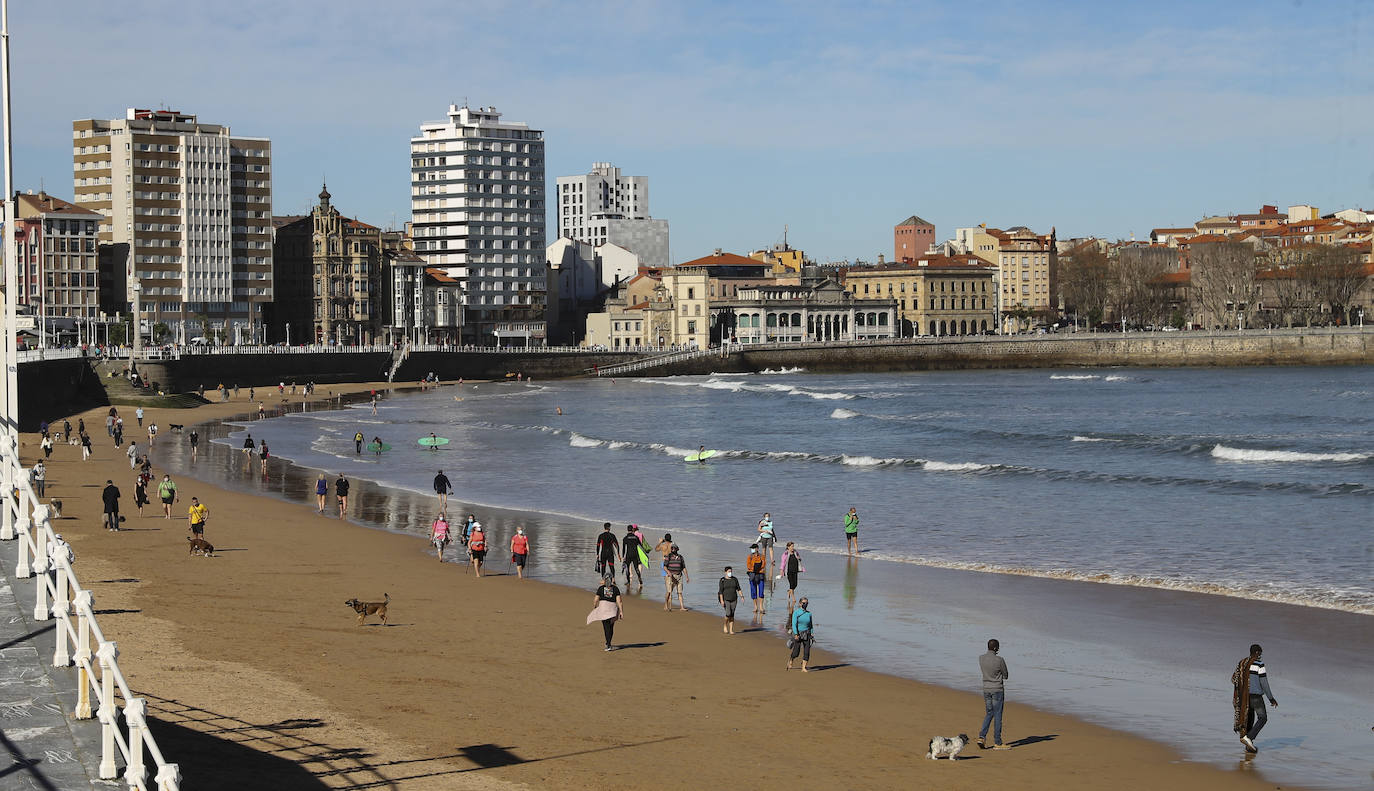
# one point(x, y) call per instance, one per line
point(964, 466)
point(1227, 453)
point(1075, 377)
point(739, 385)
point(1117, 378)
point(795, 370)
point(1080, 438)
point(841, 413)
point(579, 441)
point(869, 461)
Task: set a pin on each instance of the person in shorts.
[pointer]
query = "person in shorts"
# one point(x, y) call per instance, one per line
point(439, 534)
point(675, 568)
point(519, 551)
point(341, 486)
point(851, 531)
point(477, 547)
point(167, 491)
point(728, 595)
point(197, 514)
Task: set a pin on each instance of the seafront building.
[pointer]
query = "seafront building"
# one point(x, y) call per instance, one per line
point(936, 294)
point(477, 215)
point(56, 262)
point(604, 207)
point(911, 238)
point(192, 203)
point(1028, 277)
point(817, 308)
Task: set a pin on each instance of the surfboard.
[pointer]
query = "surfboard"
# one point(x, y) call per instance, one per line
point(378, 448)
point(431, 442)
point(706, 454)
point(643, 557)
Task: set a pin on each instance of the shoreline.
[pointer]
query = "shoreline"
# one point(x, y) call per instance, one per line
point(293, 572)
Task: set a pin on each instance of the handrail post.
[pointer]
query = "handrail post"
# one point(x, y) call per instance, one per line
point(134, 773)
point(22, 569)
point(107, 652)
point(168, 778)
point(40, 574)
point(84, 602)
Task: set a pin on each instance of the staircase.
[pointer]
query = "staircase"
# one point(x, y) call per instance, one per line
point(398, 356)
point(658, 360)
point(121, 391)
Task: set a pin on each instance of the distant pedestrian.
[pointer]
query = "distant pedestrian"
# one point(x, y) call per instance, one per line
point(766, 537)
point(477, 547)
point(607, 608)
point(341, 487)
point(46, 445)
point(358, 442)
point(167, 491)
point(728, 595)
point(109, 424)
point(263, 455)
point(321, 491)
point(677, 578)
point(194, 439)
point(757, 569)
point(85, 446)
point(607, 551)
point(132, 453)
point(851, 531)
point(141, 491)
point(801, 637)
point(81, 425)
point(110, 497)
point(253, 394)
point(663, 548)
point(442, 487)
point(995, 673)
point(519, 551)
point(138, 413)
point(439, 534)
point(1251, 686)
point(152, 433)
point(248, 445)
point(629, 546)
point(467, 528)
point(791, 567)
point(377, 446)
point(118, 431)
point(262, 410)
point(39, 476)
point(66, 431)
point(197, 514)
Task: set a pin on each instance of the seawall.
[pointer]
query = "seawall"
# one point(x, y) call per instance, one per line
point(51, 389)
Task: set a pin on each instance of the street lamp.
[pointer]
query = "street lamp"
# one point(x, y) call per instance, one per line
point(288, 334)
point(137, 288)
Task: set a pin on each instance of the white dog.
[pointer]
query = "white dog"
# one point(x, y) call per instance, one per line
point(942, 746)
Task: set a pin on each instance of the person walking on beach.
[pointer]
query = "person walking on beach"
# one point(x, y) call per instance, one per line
point(766, 537)
point(1251, 686)
point(109, 424)
point(377, 447)
point(321, 492)
point(728, 595)
point(799, 627)
point(119, 431)
point(442, 487)
point(341, 486)
point(152, 433)
point(110, 497)
point(433, 441)
point(358, 442)
point(758, 573)
point(676, 567)
point(138, 413)
point(851, 531)
point(263, 455)
point(606, 608)
point(197, 514)
point(85, 446)
point(995, 673)
point(66, 430)
point(438, 534)
point(467, 528)
point(46, 445)
point(39, 474)
point(167, 490)
point(629, 546)
point(477, 547)
point(194, 439)
point(663, 548)
point(519, 551)
point(262, 411)
point(607, 551)
point(791, 566)
point(248, 446)
point(141, 491)
point(132, 453)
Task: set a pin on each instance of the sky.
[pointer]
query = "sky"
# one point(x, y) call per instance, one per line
point(834, 120)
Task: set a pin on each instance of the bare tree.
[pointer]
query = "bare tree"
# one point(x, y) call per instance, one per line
point(1085, 283)
point(1139, 291)
point(1223, 278)
point(1286, 285)
point(1337, 273)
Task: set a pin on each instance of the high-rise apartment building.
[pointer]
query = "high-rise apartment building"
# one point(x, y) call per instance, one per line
point(194, 205)
point(56, 257)
point(604, 207)
point(477, 214)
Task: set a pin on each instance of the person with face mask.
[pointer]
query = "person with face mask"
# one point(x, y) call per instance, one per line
point(519, 551)
point(799, 634)
point(728, 595)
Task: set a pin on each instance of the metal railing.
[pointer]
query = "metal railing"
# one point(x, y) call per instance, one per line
point(46, 559)
point(30, 355)
point(659, 359)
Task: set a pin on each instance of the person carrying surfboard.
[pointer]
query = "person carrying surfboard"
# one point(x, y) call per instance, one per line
point(632, 551)
point(378, 446)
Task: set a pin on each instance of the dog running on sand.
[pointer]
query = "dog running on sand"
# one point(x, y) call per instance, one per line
point(941, 746)
point(178, 427)
point(366, 608)
point(202, 546)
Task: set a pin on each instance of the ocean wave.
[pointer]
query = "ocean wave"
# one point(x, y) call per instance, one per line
point(1075, 377)
point(740, 386)
point(841, 413)
point(965, 466)
point(1227, 453)
point(1080, 438)
point(869, 461)
point(794, 370)
point(579, 441)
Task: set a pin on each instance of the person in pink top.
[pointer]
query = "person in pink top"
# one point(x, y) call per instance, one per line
point(438, 534)
point(519, 550)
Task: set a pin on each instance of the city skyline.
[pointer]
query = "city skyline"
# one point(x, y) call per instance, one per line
point(834, 122)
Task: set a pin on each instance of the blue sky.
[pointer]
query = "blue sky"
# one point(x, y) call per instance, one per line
point(837, 120)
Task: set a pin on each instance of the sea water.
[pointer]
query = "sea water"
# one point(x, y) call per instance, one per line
point(1126, 533)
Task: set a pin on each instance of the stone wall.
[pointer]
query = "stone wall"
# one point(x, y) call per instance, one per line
point(449, 366)
point(51, 389)
point(261, 370)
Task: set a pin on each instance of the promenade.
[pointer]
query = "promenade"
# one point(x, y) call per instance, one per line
point(46, 749)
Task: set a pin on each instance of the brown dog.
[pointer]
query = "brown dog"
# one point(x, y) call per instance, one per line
point(366, 608)
point(202, 546)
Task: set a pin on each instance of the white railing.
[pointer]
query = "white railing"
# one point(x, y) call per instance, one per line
point(41, 556)
point(30, 355)
point(661, 359)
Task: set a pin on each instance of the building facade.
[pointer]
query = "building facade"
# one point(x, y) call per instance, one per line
point(935, 295)
point(193, 202)
point(1028, 276)
point(677, 308)
point(604, 207)
point(330, 278)
point(477, 213)
point(911, 238)
point(817, 309)
point(57, 261)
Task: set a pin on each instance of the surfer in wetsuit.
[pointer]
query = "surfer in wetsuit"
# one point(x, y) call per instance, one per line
point(433, 441)
point(377, 445)
point(630, 551)
point(358, 442)
point(701, 454)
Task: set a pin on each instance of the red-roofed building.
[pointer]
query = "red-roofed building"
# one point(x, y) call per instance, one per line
point(911, 238)
point(55, 251)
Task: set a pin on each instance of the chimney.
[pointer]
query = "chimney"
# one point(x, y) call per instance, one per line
point(717, 252)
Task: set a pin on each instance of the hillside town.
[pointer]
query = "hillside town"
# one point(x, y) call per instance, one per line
point(171, 220)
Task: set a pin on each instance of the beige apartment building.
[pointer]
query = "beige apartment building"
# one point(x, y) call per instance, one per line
point(56, 257)
point(194, 205)
point(678, 310)
point(1028, 271)
point(935, 295)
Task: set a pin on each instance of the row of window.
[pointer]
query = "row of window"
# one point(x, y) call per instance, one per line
point(963, 286)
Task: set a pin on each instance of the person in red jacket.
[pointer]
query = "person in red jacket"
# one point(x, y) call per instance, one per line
point(519, 551)
point(477, 547)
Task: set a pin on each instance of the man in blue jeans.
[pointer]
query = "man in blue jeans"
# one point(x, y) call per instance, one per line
point(994, 670)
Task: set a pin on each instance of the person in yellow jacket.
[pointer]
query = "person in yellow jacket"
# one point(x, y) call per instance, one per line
point(198, 514)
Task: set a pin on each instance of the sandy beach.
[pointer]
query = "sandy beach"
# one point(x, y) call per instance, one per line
point(256, 669)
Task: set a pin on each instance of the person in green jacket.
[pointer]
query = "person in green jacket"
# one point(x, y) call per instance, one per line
point(851, 531)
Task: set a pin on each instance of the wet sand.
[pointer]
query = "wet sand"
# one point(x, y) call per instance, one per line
point(492, 682)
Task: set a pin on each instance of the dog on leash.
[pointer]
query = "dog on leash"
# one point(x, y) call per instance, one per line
point(366, 608)
point(202, 546)
point(942, 746)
